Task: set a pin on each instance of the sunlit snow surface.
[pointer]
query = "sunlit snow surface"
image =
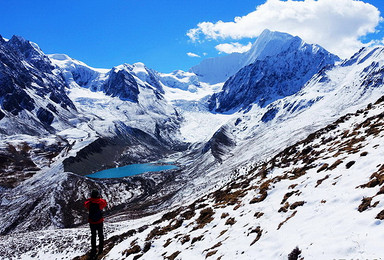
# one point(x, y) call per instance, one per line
point(327, 226)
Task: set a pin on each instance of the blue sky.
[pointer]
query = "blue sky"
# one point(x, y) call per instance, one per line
point(104, 34)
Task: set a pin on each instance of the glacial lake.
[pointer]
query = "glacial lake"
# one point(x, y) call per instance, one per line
point(130, 170)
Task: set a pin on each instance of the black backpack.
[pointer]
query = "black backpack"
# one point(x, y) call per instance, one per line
point(95, 213)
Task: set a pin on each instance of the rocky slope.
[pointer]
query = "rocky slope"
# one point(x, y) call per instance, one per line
point(33, 97)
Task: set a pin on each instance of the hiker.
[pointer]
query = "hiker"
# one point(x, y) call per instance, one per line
point(95, 205)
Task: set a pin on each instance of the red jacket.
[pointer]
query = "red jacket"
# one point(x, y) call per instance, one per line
point(102, 204)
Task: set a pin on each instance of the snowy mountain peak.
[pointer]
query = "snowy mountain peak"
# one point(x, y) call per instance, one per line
point(281, 65)
point(25, 46)
point(2, 39)
point(366, 53)
point(18, 40)
point(269, 43)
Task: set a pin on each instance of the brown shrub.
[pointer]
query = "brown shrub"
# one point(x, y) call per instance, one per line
point(380, 215)
point(262, 196)
point(224, 215)
point(168, 242)
point(381, 191)
point(287, 196)
point(147, 246)
point(173, 256)
point(185, 239)
point(298, 172)
point(365, 204)
point(211, 253)
point(335, 164)
point(228, 198)
point(195, 239)
point(171, 215)
point(219, 244)
point(157, 231)
point(321, 181)
point(188, 214)
point(285, 221)
point(284, 208)
point(295, 254)
point(323, 167)
point(258, 214)
point(296, 204)
point(222, 233)
point(133, 250)
point(259, 232)
point(137, 257)
point(205, 217)
point(376, 179)
point(230, 221)
point(349, 164)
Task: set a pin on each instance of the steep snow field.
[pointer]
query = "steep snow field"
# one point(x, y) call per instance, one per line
point(323, 195)
point(332, 93)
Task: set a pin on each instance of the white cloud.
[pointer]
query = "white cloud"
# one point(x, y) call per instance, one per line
point(335, 25)
point(193, 55)
point(233, 47)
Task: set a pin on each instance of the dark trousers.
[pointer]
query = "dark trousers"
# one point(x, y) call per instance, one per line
point(99, 229)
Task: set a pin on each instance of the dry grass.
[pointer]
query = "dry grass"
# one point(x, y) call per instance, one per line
point(296, 204)
point(185, 239)
point(321, 180)
point(225, 197)
point(230, 221)
point(204, 218)
point(288, 195)
point(380, 215)
point(258, 214)
point(323, 167)
point(168, 242)
point(284, 208)
point(335, 164)
point(160, 231)
point(132, 250)
point(173, 256)
point(259, 232)
point(285, 221)
point(349, 164)
point(224, 215)
point(365, 204)
point(211, 253)
point(195, 239)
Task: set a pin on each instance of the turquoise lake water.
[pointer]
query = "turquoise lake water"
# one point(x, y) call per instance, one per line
point(130, 170)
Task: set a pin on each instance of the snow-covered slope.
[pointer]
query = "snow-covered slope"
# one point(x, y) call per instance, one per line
point(60, 115)
point(322, 197)
point(236, 167)
point(219, 69)
point(275, 76)
point(261, 132)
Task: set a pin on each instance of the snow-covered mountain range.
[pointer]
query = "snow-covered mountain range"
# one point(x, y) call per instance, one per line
point(243, 129)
